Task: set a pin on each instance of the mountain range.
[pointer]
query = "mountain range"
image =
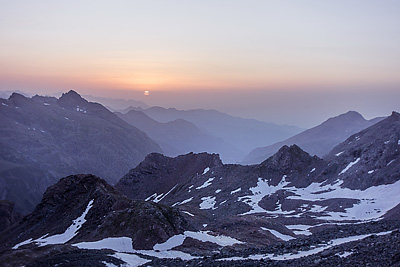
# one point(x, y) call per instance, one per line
point(340, 207)
point(244, 134)
point(318, 140)
point(44, 138)
point(179, 136)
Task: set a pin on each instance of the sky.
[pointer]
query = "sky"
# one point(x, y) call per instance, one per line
point(288, 62)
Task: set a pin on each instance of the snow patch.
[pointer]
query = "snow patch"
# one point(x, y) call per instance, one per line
point(206, 183)
point(206, 170)
point(260, 191)
point(4, 104)
point(171, 243)
point(157, 198)
point(46, 104)
point(349, 166)
point(300, 229)
point(278, 235)
point(300, 254)
point(312, 170)
point(70, 233)
point(131, 260)
point(202, 236)
point(183, 202)
point(188, 213)
point(371, 171)
point(390, 162)
point(124, 244)
point(217, 191)
point(235, 191)
point(208, 203)
point(338, 154)
point(344, 254)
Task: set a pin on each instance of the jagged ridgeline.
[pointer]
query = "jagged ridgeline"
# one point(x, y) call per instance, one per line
point(44, 138)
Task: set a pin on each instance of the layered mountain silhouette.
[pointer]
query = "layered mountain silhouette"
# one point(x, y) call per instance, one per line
point(179, 136)
point(318, 140)
point(244, 134)
point(44, 138)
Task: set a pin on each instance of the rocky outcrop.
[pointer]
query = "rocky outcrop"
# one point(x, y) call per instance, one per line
point(103, 211)
point(7, 215)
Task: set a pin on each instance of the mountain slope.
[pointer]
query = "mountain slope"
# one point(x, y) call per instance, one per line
point(43, 139)
point(318, 140)
point(357, 182)
point(245, 134)
point(101, 211)
point(180, 137)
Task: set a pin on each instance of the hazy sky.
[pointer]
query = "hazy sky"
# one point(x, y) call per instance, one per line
point(293, 62)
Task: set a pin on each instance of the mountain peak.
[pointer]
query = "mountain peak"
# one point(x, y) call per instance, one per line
point(348, 117)
point(72, 96)
point(288, 157)
point(395, 115)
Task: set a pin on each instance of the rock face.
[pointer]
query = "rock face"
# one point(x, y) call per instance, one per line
point(179, 136)
point(101, 212)
point(318, 140)
point(43, 139)
point(375, 152)
point(7, 215)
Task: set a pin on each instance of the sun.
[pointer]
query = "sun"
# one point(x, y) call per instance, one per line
point(146, 93)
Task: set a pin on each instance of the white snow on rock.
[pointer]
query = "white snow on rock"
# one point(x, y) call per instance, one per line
point(235, 191)
point(338, 154)
point(172, 242)
point(371, 171)
point(260, 191)
point(46, 104)
point(71, 231)
point(188, 213)
point(372, 202)
point(182, 202)
point(351, 164)
point(206, 170)
point(300, 229)
point(4, 104)
point(278, 235)
point(120, 244)
point(312, 170)
point(390, 162)
point(398, 142)
point(344, 254)
point(131, 260)
point(124, 244)
point(208, 203)
point(217, 191)
point(202, 236)
point(206, 183)
point(157, 198)
point(300, 254)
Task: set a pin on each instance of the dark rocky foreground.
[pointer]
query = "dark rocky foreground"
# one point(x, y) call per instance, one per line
point(374, 250)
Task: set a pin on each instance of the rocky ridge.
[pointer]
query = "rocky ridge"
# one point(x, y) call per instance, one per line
point(44, 138)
